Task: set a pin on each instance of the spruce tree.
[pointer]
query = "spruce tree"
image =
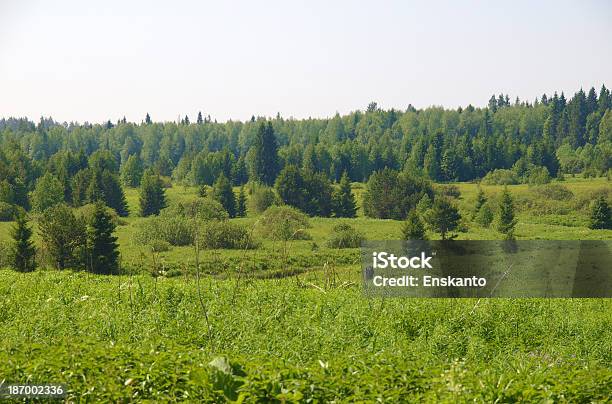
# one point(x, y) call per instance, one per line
point(200, 120)
point(103, 253)
point(148, 119)
point(344, 200)
point(601, 217)
point(24, 252)
point(241, 208)
point(413, 228)
point(223, 193)
point(264, 163)
point(506, 220)
point(443, 218)
point(152, 194)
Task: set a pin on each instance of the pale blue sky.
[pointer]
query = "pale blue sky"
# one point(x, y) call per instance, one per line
point(95, 60)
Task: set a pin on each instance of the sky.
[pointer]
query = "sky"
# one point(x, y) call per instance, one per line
point(94, 60)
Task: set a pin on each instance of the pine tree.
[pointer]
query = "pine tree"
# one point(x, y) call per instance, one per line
point(152, 194)
point(24, 252)
point(344, 200)
point(481, 199)
point(413, 228)
point(443, 218)
point(601, 217)
point(103, 253)
point(63, 236)
point(148, 119)
point(200, 120)
point(506, 220)
point(264, 163)
point(95, 189)
point(223, 193)
point(241, 208)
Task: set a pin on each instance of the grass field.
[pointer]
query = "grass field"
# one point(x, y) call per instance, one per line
point(257, 334)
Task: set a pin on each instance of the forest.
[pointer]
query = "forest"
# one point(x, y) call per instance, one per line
point(513, 142)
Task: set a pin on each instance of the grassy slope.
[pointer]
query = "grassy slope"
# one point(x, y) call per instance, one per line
point(122, 337)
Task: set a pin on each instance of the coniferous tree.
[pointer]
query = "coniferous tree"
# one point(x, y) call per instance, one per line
point(241, 203)
point(200, 120)
point(152, 194)
point(443, 218)
point(148, 119)
point(103, 247)
point(344, 200)
point(23, 253)
point(264, 163)
point(481, 199)
point(506, 220)
point(601, 217)
point(223, 193)
point(413, 228)
point(290, 187)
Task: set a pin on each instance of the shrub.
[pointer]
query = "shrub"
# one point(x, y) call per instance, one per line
point(86, 213)
point(284, 223)
point(500, 177)
point(159, 245)
point(7, 212)
point(538, 175)
point(345, 236)
point(449, 191)
point(202, 209)
point(262, 197)
point(224, 234)
point(555, 192)
point(173, 229)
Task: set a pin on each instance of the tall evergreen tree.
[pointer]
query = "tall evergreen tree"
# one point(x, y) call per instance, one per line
point(200, 120)
point(148, 119)
point(444, 218)
point(103, 247)
point(506, 219)
point(152, 194)
point(241, 203)
point(223, 193)
point(601, 217)
point(413, 228)
point(23, 253)
point(344, 200)
point(265, 162)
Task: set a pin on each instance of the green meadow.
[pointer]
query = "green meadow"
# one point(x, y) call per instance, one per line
point(289, 322)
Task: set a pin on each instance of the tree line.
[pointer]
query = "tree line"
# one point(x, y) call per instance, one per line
point(553, 133)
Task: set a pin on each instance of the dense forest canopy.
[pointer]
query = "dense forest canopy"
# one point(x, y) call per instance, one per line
point(552, 133)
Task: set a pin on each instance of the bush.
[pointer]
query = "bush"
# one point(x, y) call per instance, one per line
point(284, 223)
point(224, 234)
point(500, 177)
point(262, 198)
point(202, 209)
point(345, 236)
point(86, 213)
point(555, 192)
point(450, 191)
point(175, 230)
point(7, 212)
point(159, 246)
point(538, 175)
